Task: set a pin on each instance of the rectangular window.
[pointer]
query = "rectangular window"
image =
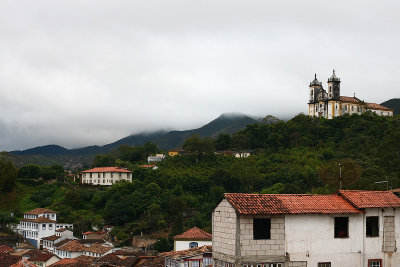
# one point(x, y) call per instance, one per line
point(372, 226)
point(44, 226)
point(375, 263)
point(50, 226)
point(261, 228)
point(341, 227)
point(112, 176)
point(98, 175)
point(324, 264)
point(90, 175)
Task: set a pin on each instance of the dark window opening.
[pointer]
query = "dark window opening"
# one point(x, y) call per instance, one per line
point(324, 264)
point(341, 227)
point(375, 263)
point(262, 228)
point(372, 224)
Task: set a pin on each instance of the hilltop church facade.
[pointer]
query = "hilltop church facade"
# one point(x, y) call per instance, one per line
point(330, 104)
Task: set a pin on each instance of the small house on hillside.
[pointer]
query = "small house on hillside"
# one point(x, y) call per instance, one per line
point(155, 158)
point(175, 152)
point(194, 257)
point(192, 238)
point(106, 175)
point(350, 228)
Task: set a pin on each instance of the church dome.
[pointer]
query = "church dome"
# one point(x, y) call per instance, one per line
point(334, 78)
point(315, 81)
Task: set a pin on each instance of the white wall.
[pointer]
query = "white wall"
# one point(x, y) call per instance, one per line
point(182, 245)
point(311, 238)
point(104, 178)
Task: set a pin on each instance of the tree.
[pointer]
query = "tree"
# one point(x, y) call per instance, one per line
point(223, 141)
point(340, 172)
point(8, 176)
point(198, 146)
point(30, 171)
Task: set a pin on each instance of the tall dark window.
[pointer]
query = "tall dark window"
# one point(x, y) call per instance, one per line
point(372, 226)
point(262, 228)
point(341, 227)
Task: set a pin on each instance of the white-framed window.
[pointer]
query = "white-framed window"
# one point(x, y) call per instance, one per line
point(44, 226)
point(375, 263)
point(195, 263)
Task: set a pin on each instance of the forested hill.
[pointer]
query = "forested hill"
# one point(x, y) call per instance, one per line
point(394, 104)
point(228, 123)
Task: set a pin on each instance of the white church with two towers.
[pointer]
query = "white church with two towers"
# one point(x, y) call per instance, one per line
point(330, 104)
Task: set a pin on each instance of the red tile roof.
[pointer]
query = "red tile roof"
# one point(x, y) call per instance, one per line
point(51, 237)
point(253, 204)
point(61, 230)
point(7, 260)
point(97, 248)
point(81, 261)
point(377, 106)
point(107, 169)
point(370, 199)
point(350, 99)
point(150, 261)
point(40, 211)
point(41, 256)
point(112, 259)
point(63, 242)
point(147, 166)
point(40, 219)
point(194, 234)
point(5, 249)
point(188, 253)
point(72, 246)
point(23, 263)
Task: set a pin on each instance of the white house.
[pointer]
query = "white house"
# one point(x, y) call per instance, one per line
point(192, 238)
point(37, 224)
point(194, 257)
point(155, 158)
point(43, 259)
point(106, 175)
point(349, 228)
point(61, 234)
point(74, 249)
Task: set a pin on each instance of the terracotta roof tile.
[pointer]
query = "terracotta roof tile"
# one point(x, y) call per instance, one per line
point(72, 246)
point(51, 237)
point(187, 253)
point(41, 256)
point(40, 211)
point(194, 234)
point(61, 230)
point(81, 261)
point(7, 260)
point(350, 99)
point(63, 242)
point(114, 260)
point(23, 263)
point(253, 204)
point(97, 248)
point(150, 261)
point(377, 106)
point(5, 249)
point(370, 199)
point(107, 169)
point(40, 219)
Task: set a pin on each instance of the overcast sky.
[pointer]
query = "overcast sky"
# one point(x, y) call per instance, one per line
point(78, 72)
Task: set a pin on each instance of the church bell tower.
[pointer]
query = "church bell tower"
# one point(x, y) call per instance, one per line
point(334, 87)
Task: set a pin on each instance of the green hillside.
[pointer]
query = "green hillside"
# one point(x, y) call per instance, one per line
point(393, 104)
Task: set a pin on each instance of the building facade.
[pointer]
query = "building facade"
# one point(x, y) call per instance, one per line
point(192, 238)
point(349, 228)
point(330, 104)
point(37, 224)
point(106, 176)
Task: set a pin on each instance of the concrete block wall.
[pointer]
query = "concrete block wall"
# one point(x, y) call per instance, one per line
point(224, 229)
point(266, 247)
point(389, 238)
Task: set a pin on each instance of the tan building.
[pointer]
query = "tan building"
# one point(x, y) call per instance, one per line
point(330, 104)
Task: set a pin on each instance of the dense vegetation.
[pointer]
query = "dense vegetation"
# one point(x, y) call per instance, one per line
point(288, 157)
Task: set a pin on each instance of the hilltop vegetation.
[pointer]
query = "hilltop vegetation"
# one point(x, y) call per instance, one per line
point(394, 104)
point(182, 192)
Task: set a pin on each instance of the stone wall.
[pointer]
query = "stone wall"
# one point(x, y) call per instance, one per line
point(265, 247)
point(224, 229)
point(389, 238)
